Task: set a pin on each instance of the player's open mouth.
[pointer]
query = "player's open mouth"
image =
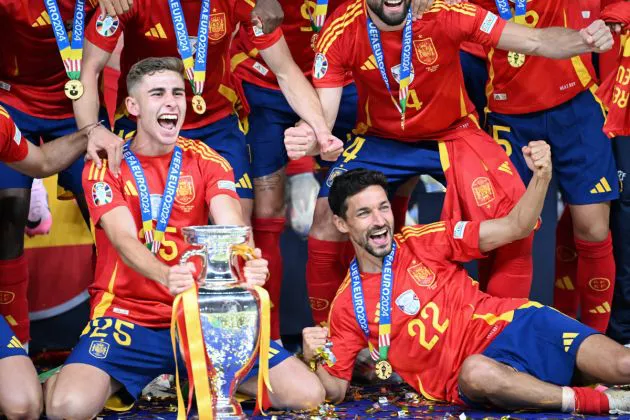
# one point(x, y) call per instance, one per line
point(168, 121)
point(380, 237)
point(393, 3)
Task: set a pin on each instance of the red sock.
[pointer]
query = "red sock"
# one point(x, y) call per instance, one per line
point(595, 281)
point(589, 401)
point(512, 270)
point(325, 270)
point(400, 204)
point(565, 294)
point(13, 296)
point(267, 237)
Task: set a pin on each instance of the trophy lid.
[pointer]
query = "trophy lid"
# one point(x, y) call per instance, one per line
point(207, 235)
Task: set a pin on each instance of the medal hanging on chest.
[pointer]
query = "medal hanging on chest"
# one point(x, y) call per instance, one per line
point(154, 241)
point(383, 367)
point(374, 36)
point(195, 68)
point(515, 59)
point(71, 50)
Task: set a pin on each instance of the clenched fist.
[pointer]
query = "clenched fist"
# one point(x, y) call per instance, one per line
point(313, 338)
point(538, 158)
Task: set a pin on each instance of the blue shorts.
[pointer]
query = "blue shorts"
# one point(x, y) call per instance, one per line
point(475, 78)
point(224, 136)
point(34, 129)
point(541, 342)
point(404, 160)
point(9, 343)
point(582, 155)
point(134, 355)
point(271, 115)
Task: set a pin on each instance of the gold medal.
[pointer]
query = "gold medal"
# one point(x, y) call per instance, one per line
point(198, 104)
point(73, 89)
point(516, 59)
point(383, 370)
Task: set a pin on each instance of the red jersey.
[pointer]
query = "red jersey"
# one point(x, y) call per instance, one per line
point(521, 84)
point(118, 290)
point(438, 315)
point(149, 32)
point(437, 100)
point(248, 65)
point(32, 75)
point(13, 146)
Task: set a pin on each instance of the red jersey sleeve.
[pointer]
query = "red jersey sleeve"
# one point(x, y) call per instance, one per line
point(217, 174)
point(469, 22)
point(104, 31)
point(13, 146)
point(102, 191)
point(242, 11)
point(346, 336)
point(332, 55)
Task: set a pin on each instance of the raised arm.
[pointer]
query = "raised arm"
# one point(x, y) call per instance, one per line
point(86, 107)
point(556, 42)
point(522, 220)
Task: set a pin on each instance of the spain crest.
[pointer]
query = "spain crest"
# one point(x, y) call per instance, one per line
point(483, 191)
point(422, 275)
point(425, 51)
point(217, 26)
point(6, 297)
point(185, 190)
point(99, 349)
point(318, 304)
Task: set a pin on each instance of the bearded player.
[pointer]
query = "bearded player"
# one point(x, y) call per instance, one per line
point(482, 184)
point(408, 298)
point(127, 343)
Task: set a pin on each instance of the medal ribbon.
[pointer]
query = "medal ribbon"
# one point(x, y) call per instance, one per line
point(71, 51)
point(195, 68)
point(360, 312)
point(152, 241)
point(520, 7)
point(374, 35)
point(318, 17)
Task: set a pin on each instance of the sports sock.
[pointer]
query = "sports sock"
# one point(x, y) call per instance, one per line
point(596, 281)
point(13, 296)
point(267, 237)
point(325, 270)
point(400, 204)
point(511, 272)
point(589, 401)
point(565, 294)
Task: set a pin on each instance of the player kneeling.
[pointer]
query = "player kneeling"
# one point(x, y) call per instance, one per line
point(434, 327)
point(127, 343)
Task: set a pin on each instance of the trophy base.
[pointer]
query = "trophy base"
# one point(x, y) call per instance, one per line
point(228, 409)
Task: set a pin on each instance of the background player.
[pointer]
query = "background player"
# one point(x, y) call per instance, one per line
point(437, 109)
point(444, 337)
point(133, 292)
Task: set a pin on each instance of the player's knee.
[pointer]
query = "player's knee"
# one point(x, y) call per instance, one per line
point(23, 406)
point(593, 230)
point(310, 394)
point(270, 208)
point(323, 227)
point(479, 376)
point(65, 404)
point(623, 364)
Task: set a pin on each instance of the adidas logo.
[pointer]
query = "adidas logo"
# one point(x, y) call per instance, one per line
point(601, 187)
point(42, 20)
point(15, 343)
point(505, 167)
point(567, 339)
point(601, 309)
point(370, 63)
point(244, 182)
point(564, 283)
point(156, 32)
point(130, 189)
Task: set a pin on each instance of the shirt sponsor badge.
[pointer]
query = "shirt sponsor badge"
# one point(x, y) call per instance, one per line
point(489, 22)
point(102, 193)
point(408, 302)
point(226, 185)
point(321, 66)
point(107, 25)
point(460, 228)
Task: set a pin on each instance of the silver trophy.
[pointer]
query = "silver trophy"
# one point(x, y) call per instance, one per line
point(229, 314)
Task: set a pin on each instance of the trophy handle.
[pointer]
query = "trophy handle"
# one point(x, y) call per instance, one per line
point(200, 252)
point(241, 250)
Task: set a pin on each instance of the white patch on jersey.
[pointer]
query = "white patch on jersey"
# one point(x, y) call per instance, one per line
point(489, 22)
point(258, 31)
point(5, 86)
point(500, 96)
point(460, 228)
point(321, 66)
point(102, 194)
point(260, 68)
point(121, 311)
point(17, 138)
point(226, 185)
point(408, 302)
point(586, 14)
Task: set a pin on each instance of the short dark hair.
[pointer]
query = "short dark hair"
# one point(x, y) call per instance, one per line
point(150, 66)
point(351, 183)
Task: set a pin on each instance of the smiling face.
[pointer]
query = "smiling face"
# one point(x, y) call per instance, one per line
point(369, 221)
point(158, 101)
point(391, 12)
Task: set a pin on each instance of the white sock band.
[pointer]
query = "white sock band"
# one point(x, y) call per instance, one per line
point(568, 400)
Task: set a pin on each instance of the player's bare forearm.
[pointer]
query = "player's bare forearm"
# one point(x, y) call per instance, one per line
point(330, 100)
point(120, 228)
point(299, 93)
point(86, 107)
point(335, 387)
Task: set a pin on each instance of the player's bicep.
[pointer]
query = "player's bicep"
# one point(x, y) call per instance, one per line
point(226, 210)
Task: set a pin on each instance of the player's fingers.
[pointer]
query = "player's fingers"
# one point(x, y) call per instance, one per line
point(107, 8)
point(92, 154)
